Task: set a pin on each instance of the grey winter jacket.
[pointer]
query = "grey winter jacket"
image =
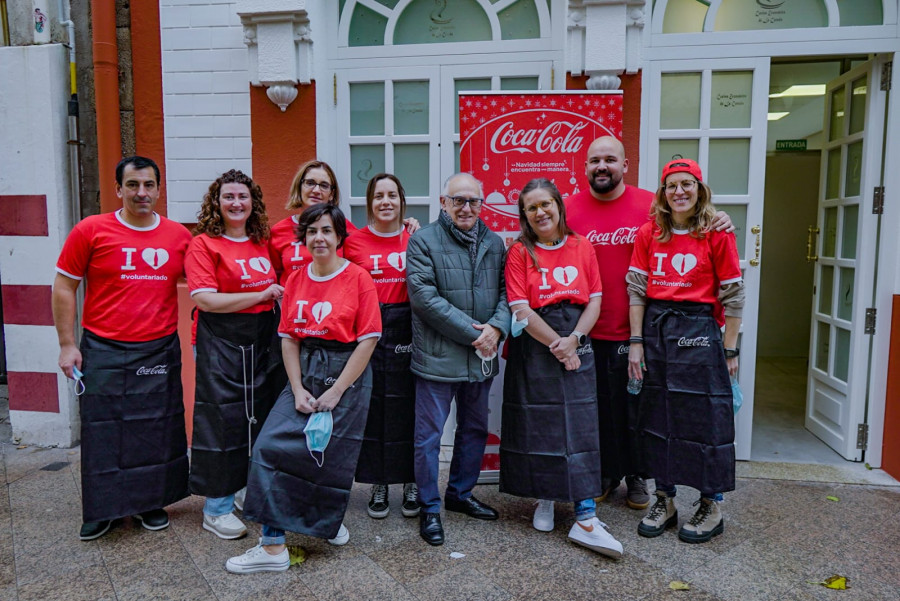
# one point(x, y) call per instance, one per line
point(447, 296)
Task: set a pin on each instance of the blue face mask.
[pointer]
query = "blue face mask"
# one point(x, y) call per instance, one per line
point(517, 327)
point(318, 433)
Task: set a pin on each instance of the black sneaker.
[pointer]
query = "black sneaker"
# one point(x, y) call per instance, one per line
point(378, 504)
point(92, 530)
point(410, 507)
point(157, 519)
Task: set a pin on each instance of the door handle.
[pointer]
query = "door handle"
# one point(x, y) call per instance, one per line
point(810, 244)
point(755, 230)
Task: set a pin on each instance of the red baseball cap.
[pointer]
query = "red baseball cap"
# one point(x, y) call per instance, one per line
point(681, 166)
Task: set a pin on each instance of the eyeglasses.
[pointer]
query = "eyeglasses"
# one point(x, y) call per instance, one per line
point(459, 201)
point(323, 186)
point(543, 205)
point(687, 185)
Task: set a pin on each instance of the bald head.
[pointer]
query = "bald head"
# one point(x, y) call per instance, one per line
point(462, 188)
point(461, 178)
point(605, 166)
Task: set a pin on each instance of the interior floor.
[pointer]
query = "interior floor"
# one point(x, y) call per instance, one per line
point(778, 415)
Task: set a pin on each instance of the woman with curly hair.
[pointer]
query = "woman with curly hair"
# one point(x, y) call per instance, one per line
point(233, 283)
point(683, 274)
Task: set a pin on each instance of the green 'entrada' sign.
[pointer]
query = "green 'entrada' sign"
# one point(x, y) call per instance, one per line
point(790, 145)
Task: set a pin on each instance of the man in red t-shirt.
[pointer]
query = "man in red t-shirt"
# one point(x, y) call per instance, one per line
point(128, 365)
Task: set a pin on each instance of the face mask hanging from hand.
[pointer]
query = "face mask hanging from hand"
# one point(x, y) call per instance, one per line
point(318, 433)
point(517, 326)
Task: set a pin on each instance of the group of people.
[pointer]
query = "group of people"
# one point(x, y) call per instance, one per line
point(327, 354)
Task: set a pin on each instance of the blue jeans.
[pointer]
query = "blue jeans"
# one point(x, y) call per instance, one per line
point(671, 491)
point(585, 510)
point(432, 409)
point(216, 506)
point(271, 535)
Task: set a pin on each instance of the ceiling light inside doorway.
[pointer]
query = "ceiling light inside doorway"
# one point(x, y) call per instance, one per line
point(802, 90)
point(777, 116)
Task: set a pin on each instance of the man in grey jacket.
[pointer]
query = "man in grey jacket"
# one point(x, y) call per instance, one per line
point(459, 316)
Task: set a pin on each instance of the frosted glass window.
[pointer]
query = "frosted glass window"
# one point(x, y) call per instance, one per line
point(858, 105)
point(729, 166)
point(430, 22)
point(849, 232)
point(519, 83)
point(845, 293)
point(467, 85)
point(366, 27)
point(388, 3)
point(456, 168)
point(411, 166)
point(833, 173)
point(358, 216)
point(826, 289)
point(739, 15)
point(829, 232)
point(860, 12)
point(680, 104)
point(685, 16)
point(365, 162)
point(410, 107)
point(367, 109)
point(420, 212)
point(837, 114)
point(853, 176)
point(738, 214)
point(822, 344)
point(676, 149)
point(731, 95)
point(519, 21)
point(842, 354)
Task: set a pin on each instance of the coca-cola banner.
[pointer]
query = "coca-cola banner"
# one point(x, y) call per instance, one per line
point(507, 139)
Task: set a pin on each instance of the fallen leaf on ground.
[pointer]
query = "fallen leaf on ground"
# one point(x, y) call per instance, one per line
point(22, 446)
point(834, 582)
point(678, 585)
point(832, 498)
point(296, 553)
point(868, 467)
point(456, 555)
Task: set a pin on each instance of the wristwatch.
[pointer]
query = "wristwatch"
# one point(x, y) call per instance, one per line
point(731, 353)
point(579, 337)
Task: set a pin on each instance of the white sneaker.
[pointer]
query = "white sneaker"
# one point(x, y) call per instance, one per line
point(239, 497)
point(224, 526)
point(342, 538)
point(543, 516)
point(594, 535)
point(258, 559)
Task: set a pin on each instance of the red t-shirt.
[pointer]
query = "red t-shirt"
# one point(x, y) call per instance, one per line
point(342, 306)
point(567, 271)
point(131, 275)
point(384, 257)
point(287, 253)
point(229, 265)
point(686, 268)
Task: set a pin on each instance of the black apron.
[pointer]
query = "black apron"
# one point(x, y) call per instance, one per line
point(549, 444)
point(133, 445)
point(286, 488)
point(231, 393)
point(388, 446)
point(686, 419)
point(617, 411)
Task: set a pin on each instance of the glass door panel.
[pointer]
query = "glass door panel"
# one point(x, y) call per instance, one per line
point(680, 108)
point(729, 166)
point(731, 94)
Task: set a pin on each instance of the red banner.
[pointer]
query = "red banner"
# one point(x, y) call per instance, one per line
point(507, 139)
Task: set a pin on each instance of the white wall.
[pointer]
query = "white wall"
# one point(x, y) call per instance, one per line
point(206, 99)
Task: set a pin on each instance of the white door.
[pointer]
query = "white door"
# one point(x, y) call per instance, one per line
point(846, 249)
point(715, 112)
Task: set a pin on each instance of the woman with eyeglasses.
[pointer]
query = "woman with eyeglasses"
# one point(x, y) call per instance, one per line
point(305, 458)
point(550, 448)
point(684, 282)
point(387, 451)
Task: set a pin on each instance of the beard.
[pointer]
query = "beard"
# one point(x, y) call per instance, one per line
point(604, 188)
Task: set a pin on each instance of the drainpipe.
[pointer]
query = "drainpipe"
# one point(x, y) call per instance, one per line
point(106, 93)
point(74, 141)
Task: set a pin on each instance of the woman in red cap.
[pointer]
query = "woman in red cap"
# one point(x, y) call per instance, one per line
point(684, 282)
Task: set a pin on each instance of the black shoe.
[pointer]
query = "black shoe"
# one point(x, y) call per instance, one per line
point(153, 520)
point(92, 530)
point(472, 507)
point(430, 528)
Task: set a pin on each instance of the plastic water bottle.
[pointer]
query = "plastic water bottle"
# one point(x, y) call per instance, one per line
point(634, 386)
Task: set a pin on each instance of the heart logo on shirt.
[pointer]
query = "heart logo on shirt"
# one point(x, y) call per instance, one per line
point(565, 275)
point(155, 257)
point(397, 261)
point(260, 264)
point(321, 310)
point(684, 263)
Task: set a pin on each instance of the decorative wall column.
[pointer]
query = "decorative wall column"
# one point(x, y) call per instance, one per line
point(277, 35)
point(604, 40)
